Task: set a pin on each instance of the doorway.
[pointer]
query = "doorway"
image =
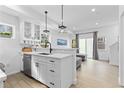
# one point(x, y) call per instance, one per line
point(86, 47)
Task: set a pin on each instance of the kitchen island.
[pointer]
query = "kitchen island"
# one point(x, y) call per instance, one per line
point(54, 70)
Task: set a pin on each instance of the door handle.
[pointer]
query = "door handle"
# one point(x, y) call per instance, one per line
point(36, 64)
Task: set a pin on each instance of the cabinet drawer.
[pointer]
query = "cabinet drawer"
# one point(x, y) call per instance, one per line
point(39, 59)
point(51, 70)
point(53, 82)
point(52, 60)
point(45, 59)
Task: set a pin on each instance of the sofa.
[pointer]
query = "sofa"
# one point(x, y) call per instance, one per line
point(78, 62)
point(79, 59)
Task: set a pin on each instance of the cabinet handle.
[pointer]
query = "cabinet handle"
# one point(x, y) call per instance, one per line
point(52, 83)
point(51, 70)
point(37, 64)
point(52, 61)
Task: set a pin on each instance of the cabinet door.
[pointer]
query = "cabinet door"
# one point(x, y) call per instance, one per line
point(27, 30)
point(36, 32)
point(34, 70)
point(42, 77)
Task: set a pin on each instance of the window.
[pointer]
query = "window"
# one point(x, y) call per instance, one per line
point(89, 48)
point(82, 46)
point(86, 47)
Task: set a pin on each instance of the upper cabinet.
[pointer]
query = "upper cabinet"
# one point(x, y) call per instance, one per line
point(30, 32)
point(27, 30)
point(36, 32)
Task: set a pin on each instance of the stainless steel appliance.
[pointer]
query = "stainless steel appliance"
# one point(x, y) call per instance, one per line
point(27, 64)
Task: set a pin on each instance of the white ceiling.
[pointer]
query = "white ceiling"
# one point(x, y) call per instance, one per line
point(78, 17)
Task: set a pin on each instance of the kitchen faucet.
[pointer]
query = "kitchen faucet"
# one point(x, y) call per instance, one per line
point(50, 46)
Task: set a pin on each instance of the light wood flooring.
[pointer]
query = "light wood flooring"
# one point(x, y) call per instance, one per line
point(92, 74)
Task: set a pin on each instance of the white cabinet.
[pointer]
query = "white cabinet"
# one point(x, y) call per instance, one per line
point(36, 32)
point(30, 32)
point(27, 30)
point(39, 71)
point(42, 75)
point(34, 70)
point(55, 73)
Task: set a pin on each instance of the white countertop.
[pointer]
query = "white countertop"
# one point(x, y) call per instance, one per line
point(54, 55)
point(58, 48)
point(3, 76)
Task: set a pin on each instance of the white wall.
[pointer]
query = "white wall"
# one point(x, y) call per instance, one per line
point(9, 48)
point(84, 36)
point(55, 35)
point(121, 46)
point(111, 34)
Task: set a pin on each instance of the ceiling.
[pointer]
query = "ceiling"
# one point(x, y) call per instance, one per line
point(78, 17)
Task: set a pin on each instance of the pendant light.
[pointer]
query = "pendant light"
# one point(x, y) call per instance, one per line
point(46, 31)
point(62, 27)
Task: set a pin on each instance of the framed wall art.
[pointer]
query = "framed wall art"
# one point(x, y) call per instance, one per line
point(6, 31)
point(101, 43)
point(62, 42)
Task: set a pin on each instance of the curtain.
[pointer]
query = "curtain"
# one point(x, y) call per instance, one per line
point(95, 52)
point(77, 42)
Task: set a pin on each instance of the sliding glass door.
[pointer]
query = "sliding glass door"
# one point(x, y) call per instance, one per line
point(89, 48)
point(86, 47)
point(82, 46)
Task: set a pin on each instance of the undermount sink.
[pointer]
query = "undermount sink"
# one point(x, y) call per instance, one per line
point(44, 53)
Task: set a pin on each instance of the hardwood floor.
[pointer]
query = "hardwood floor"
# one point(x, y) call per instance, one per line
point(97, 74)
point(92, 74)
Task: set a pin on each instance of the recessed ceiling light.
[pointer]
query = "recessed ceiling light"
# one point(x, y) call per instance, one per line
point(93, 9)
point(97, 23)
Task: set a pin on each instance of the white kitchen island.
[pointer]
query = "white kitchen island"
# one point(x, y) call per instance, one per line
point(3, 77)
point(54, 70)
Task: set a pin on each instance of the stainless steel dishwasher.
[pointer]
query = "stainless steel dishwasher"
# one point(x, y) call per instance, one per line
point(27, 64)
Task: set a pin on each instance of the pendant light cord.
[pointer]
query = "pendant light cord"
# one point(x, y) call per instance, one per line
point(46, 18)
point(62, 14)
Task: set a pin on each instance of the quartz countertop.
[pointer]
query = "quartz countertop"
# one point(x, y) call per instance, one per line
point(3, 76)
point(53, 55)
point(58, 48)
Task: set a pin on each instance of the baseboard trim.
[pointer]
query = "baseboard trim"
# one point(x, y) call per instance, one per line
point(14, 72)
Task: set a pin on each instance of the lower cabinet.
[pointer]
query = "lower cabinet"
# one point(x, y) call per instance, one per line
point(34, 70)
point(55, 73)
point(41, 71)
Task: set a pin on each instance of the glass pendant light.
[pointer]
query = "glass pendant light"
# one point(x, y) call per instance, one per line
point(46, 31)
point(62, 27)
